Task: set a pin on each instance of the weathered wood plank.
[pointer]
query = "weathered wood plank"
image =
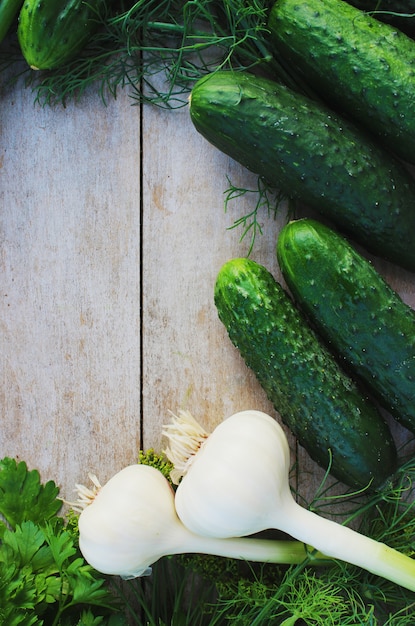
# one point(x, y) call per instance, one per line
point(70, 286)
point(189, 361)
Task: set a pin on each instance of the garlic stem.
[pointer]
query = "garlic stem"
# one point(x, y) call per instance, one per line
point(288, 552)
point(343, 543)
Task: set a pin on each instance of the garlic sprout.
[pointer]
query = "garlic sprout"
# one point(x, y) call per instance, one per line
point(238, 484)
point(132, 522)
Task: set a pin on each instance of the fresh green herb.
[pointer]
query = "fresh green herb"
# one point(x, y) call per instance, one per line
point(136, 41)
point(157, 460)
point(23, 497)
point(265, 198)
point(43, 577)
point(181, 40)
point(174, 595)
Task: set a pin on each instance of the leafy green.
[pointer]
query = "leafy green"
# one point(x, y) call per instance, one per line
point(43, 576)
point(174, 595)
point(23, 497)
point(138, 40)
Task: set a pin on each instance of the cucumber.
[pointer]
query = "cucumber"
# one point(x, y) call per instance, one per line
point(360, 65)
point(309, 153)
point(318, 401)
point(51, 32)
point(9, 10)
point(362, 318)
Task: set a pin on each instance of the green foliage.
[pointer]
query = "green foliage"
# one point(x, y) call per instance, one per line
point(182, 40)
point(137, 40)
point(159, 461)
point(43, 576)
point(266, 199)
point(23, 497)
point(174, 595)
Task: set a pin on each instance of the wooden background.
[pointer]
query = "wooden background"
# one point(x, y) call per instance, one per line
point(112, 232)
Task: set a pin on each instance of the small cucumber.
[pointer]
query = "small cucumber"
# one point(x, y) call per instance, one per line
point(9, 10)
point(306, 151)
point(52, 32)
point(360, 65)
point(320, 404)
point(352, 307)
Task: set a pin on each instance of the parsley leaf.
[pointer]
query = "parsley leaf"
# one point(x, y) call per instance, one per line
point(44, 579)
point(23, 497)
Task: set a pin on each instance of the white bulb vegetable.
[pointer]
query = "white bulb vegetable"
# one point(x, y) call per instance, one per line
point(131, 522)
point(237, 484)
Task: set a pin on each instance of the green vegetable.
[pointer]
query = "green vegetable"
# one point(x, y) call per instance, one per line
point(23, 497)
point(51, 33)
point(364, 320)
point(43, 576)
point(306, 151)
point(9, 10)
point(357, 63)
point(321, 405)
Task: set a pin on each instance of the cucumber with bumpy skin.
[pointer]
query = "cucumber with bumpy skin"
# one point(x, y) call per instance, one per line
point(309, 153)
point(358, 64)
point(350, 304)
point(320, 404)
point(52, 32)
point(9, 10)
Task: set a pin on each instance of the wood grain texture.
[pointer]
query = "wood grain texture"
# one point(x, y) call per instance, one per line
point(70, 286)
point(189, 361)
point(109, 254)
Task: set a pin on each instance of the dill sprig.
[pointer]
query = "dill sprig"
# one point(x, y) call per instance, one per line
point(181, 40)
point(267, 200)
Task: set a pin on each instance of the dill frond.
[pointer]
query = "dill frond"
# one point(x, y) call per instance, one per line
point(182, 40)
point(266, 198)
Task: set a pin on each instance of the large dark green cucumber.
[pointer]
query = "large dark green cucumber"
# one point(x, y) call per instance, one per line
point(364, 320)
point(362, 66)
point(52, 32)
point(308, 152)
point(321, 405)
point(9, 10)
